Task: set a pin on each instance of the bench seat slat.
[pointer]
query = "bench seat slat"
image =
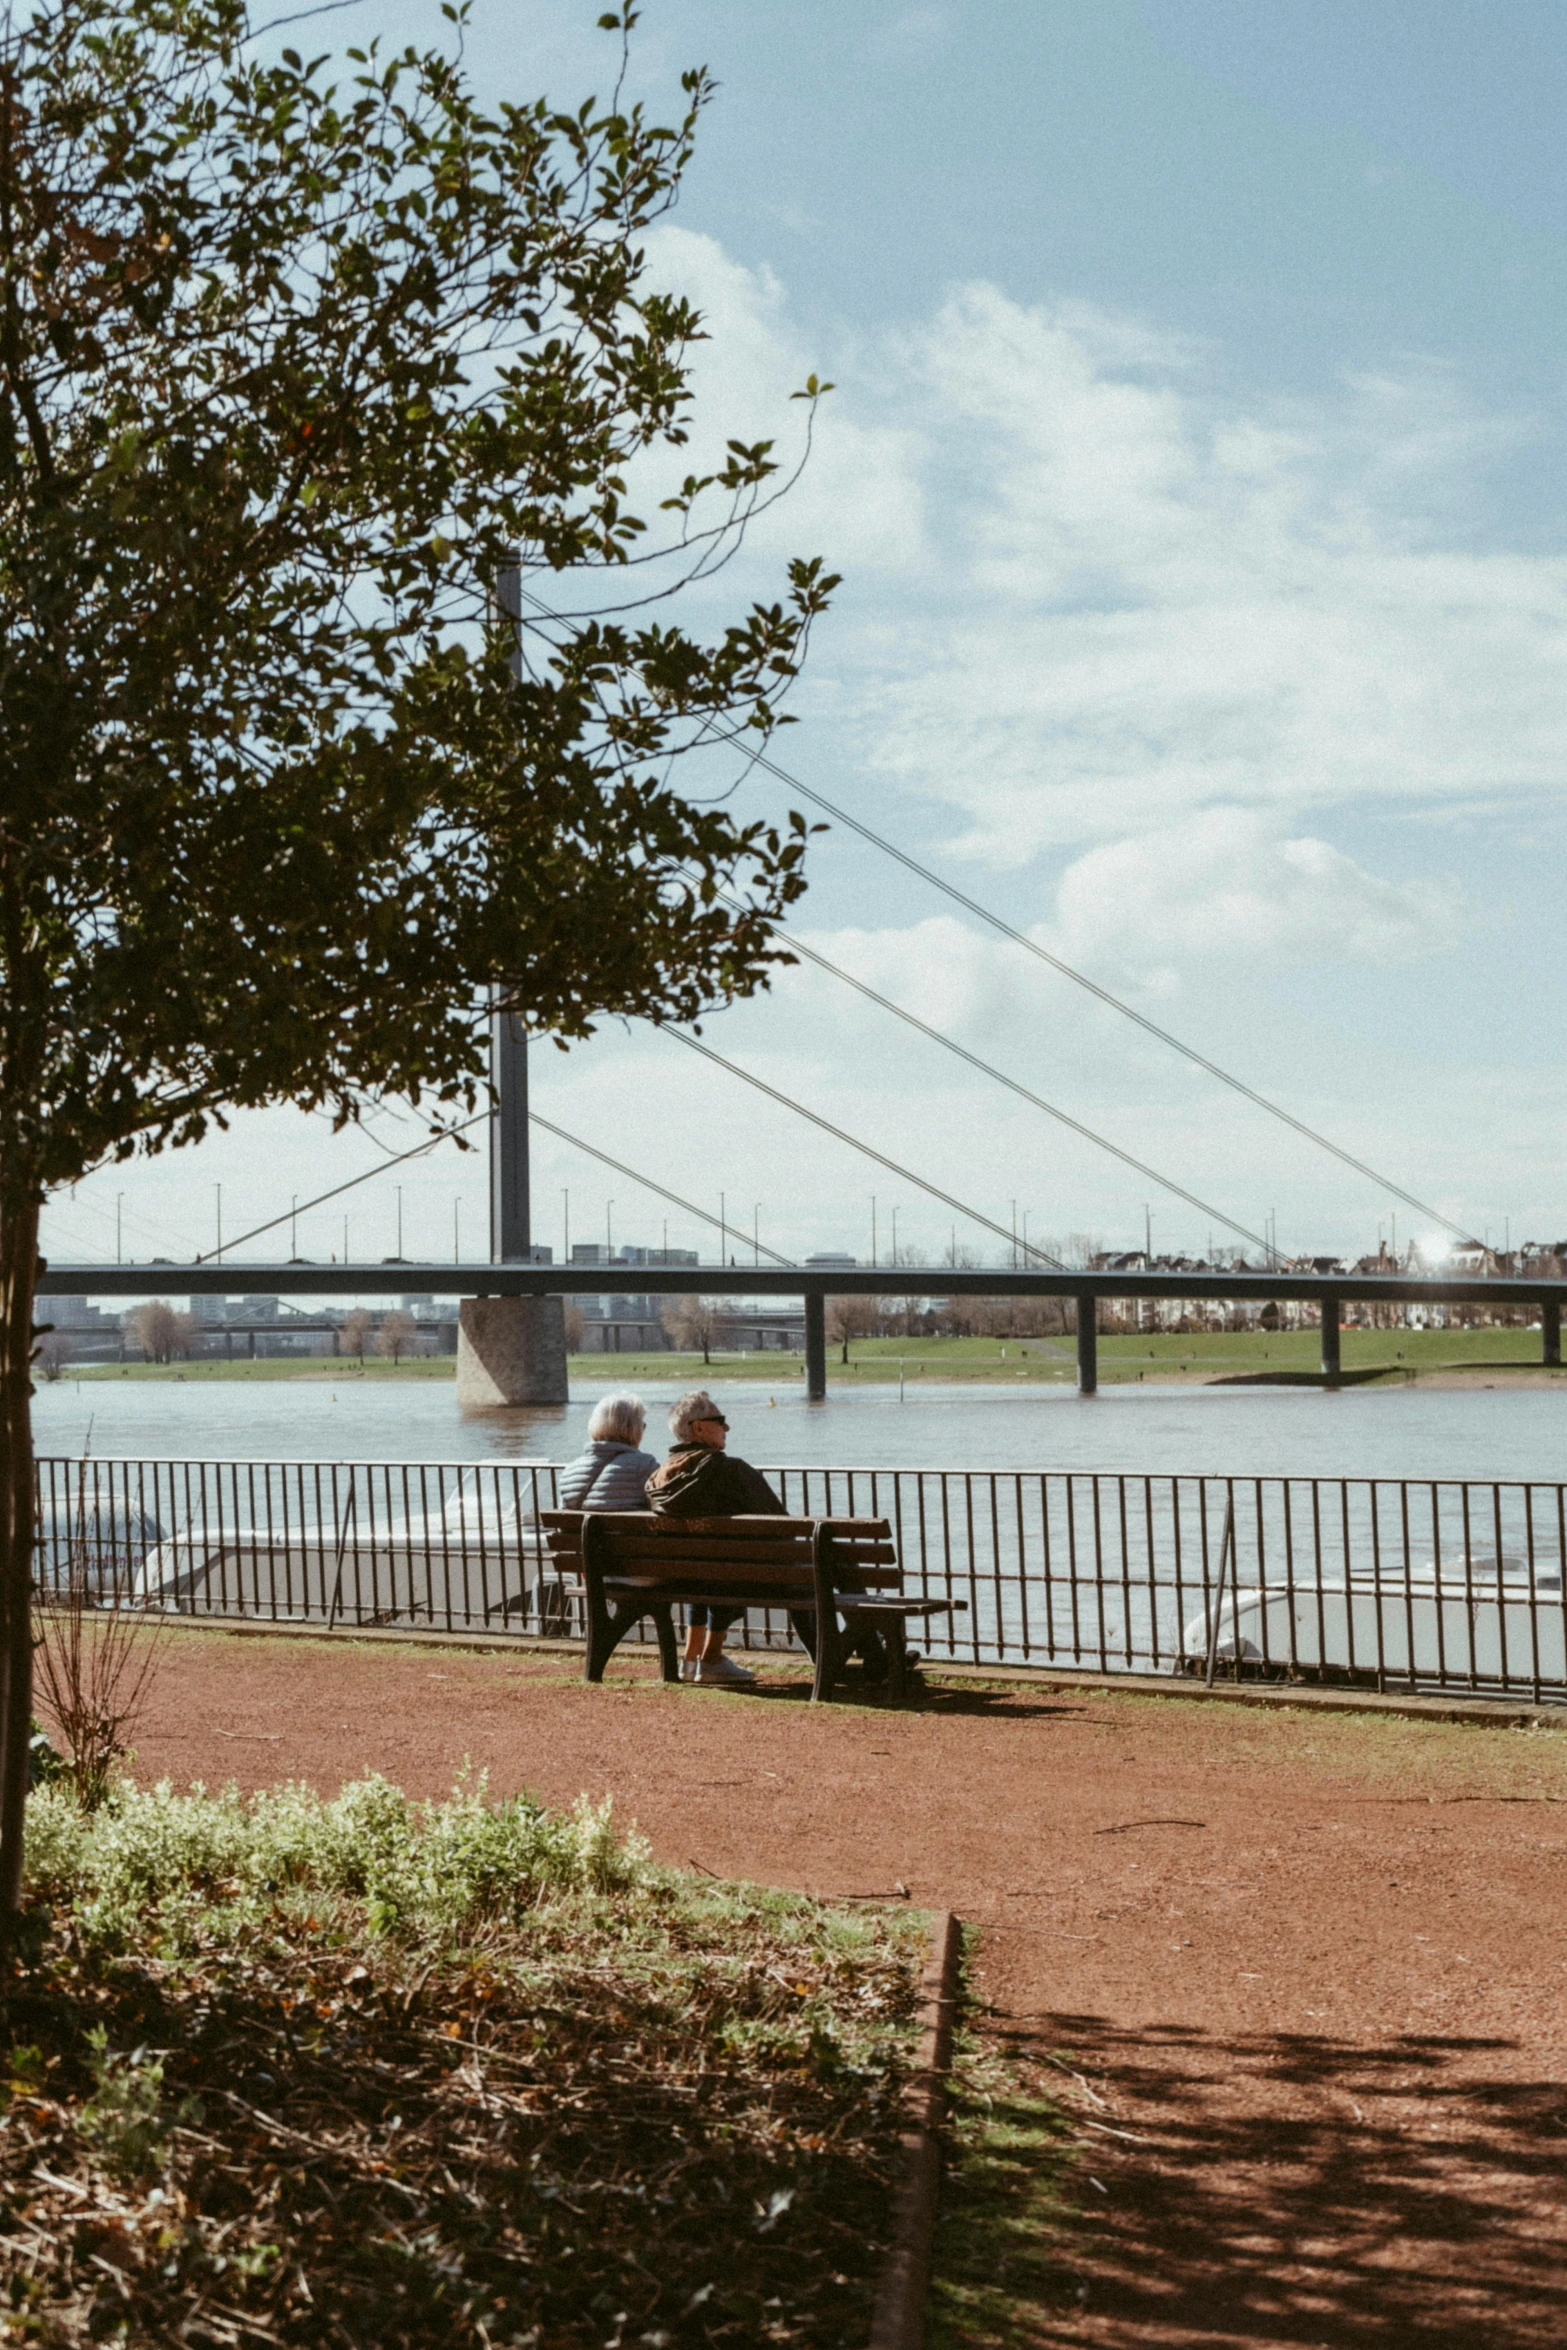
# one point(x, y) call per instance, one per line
point(850, 1603)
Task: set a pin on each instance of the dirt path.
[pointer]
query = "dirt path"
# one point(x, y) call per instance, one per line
point(1313, 1966)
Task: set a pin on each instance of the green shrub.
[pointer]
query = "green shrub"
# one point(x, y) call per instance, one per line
point(413, 1867)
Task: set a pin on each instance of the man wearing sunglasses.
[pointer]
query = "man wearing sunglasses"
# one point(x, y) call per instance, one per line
point(701, 1480)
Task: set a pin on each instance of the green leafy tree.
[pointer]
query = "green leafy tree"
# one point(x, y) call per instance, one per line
point(294, 371)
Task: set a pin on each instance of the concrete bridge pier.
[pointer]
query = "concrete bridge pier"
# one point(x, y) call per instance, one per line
point(1330, 1358)
point(1087, 1347)
point(511, 1350)
point(1550, 1330)
point(816, 1348)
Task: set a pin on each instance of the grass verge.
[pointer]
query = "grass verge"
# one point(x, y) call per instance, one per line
point(364, 2071)
point(1001, 2274)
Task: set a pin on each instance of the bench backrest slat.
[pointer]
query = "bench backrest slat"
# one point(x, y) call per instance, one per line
point(758, 1529)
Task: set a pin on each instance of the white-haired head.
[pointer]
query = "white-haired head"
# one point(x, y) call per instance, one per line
point(686, 1410)
point(618, 1419)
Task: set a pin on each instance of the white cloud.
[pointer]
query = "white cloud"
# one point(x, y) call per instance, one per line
point(1228, 886)
point(860, 500)
point(1150, 605)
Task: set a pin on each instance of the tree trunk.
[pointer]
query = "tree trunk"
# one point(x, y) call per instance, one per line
point(18, 1278)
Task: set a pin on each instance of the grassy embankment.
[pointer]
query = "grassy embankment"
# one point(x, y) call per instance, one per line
point(464, 2075)
point(1183, 1359)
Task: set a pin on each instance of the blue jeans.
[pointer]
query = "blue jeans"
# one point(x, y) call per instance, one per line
point(703, 1618)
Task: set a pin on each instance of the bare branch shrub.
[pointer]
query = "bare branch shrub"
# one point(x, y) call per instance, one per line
point(93, 1665)
point(94, 1668)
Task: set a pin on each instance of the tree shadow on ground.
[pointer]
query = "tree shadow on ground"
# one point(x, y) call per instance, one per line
point(1289, 2190)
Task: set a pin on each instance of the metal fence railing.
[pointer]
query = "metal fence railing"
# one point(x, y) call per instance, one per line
point(1384, 1582)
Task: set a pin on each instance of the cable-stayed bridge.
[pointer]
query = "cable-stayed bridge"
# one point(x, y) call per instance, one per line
point(513, 1314)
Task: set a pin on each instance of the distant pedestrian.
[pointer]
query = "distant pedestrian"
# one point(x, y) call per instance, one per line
point(612, 1473)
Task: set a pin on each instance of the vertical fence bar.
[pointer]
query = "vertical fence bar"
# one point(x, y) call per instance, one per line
point(1215, 1621)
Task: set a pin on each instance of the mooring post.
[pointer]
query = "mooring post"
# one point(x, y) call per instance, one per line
point(1550, 1330)
point(1330, 1356)
point(1087, 1347)
point(815, 1347)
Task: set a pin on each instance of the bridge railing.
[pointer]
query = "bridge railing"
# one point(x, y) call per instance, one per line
point(1380, 1582)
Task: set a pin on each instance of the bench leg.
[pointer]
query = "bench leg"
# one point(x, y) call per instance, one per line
point(601, 1639)
point(830, 1647)
point(668, 1652)
point(830, 1643)
point(896, 1635)
point(601, 1643)
point(606, 1636)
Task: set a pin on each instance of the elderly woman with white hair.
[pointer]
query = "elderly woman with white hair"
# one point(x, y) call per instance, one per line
point(612, 1473)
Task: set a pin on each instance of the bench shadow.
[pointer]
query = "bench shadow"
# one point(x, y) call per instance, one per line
point(1287, 2191)
point(978, 1704)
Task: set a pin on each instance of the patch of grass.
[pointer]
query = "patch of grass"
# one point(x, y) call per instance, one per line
point(460, 2074)
point(1124, 1357)
point(1001, 2272)
point(346, 1369)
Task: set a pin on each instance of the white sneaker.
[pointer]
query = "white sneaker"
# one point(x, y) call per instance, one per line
point(689, 1668)
point(721, 1672)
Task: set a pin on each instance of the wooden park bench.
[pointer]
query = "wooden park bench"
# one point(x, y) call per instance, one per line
point(635, 1564)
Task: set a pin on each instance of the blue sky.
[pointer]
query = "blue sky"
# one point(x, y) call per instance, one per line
point(1196, 471)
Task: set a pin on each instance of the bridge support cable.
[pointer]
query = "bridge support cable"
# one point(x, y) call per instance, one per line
point(986, 1068)
point(430, 1143)
point(433, 1141)
point(1081, 979)
point(647, 1183)
point(1261, 1101)
point(974, 1215)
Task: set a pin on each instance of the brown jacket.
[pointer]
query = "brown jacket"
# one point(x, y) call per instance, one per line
point(697, 1482)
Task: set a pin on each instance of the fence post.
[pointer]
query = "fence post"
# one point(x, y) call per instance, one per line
point(1215, 1626)
point(1330, 1357)
point(1087, 1347)
point(1550, 1330)
point(815, 1347)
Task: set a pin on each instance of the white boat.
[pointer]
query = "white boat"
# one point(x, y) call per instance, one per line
point(1461, 1624)
point(476, 1561)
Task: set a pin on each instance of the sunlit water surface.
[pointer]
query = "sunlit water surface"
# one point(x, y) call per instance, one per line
point(1386, 1432)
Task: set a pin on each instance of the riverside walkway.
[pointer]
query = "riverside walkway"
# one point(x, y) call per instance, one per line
point(1296, 1976)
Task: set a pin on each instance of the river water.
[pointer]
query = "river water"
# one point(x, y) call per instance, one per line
point(1498, 1432)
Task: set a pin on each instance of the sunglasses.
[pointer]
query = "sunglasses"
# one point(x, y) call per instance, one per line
point(712, 1420)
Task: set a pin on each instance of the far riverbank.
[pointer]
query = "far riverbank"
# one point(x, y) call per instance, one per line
point(1435, 1358)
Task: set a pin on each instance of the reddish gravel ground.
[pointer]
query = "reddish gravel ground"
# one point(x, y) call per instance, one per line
point(1310, 1968)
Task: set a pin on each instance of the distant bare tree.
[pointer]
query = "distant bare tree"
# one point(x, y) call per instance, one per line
point(54, 1352)
point(574, 1330)
point(692, 1322)
point(396, 1335)
point(355, 1330)
point(850, 1317)
point(156, 1329)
